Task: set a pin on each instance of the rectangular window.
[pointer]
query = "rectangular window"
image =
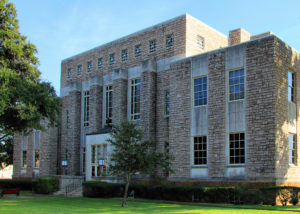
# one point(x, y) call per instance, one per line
point(67, 119)
point(138, 50)
point(79, 70)
point(100, 63)
point(200, 42)
point(169, 41)
point(135, 99)
point(124, 55)
point(89, 66)
point(112, 59)
point(292, 149)
point(200, 91)
point(83, 159)
point(108, 100)
point(236, 85)
point(69, 73)
point(167, 102)
point(237, 148)
point(152, 45)
point(24, 159)
point(36, 158)
point(86, 108)
point(291, 83)
point(200, 150)
point(99, 160)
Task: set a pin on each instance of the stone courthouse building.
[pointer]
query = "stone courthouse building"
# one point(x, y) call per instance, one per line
point(226, 108)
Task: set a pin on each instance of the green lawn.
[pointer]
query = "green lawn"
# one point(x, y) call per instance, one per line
point(44, 205)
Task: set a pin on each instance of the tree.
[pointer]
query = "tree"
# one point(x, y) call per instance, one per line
point(132, 155)
point(25, 100)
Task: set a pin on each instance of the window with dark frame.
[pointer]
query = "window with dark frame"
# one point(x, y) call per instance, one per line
point(79, 70)
point(112, 59)
point(152, 46)
point(36, 158)
point(200, 150)
point(89, 66)
point(86, 110)
point(291, 86)
point(135, 111)
point(200, 91)
point(138, 50)
point(236, 84)
point(24, 159)
point(100, 63)
point(69, 73)
point(108, 102)
point(237, 148)
point(167, 103)
point(169, 41)
point(292, 149)
point(124, 55)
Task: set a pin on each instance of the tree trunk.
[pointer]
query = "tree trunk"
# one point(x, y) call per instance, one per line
point(126, 191)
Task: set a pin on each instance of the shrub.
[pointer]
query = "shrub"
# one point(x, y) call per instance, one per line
point(283, 194)
point(20, 184)
point(46, 185)
point(101, 189)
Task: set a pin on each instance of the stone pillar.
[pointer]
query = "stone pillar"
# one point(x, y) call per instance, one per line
point(120, 88)
point(216, 115)
point(96, 96)
point(70, 130)
point(148, 99)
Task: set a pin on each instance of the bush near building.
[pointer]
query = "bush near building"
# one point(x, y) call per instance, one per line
point(46, 185)
point(233, 194)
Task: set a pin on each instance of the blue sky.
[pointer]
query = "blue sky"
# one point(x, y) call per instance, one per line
point(63, 28)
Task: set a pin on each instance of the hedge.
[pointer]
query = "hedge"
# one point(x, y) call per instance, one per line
point(163, 192)
point(20, 184)
point(46, 185)
point(233, 194)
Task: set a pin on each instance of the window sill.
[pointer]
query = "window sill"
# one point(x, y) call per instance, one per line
point(199, 166)
point(236, 165)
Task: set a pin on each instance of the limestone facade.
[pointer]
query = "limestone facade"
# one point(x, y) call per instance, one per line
point(218, 104)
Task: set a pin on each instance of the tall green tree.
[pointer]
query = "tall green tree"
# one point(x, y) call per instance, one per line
point(25, 100)
point(132, 155)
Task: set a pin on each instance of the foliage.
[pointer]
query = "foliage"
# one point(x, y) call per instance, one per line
point(133, 155)
point(21, 184)
point(283, 194)
point(25, 100)
point(6, 151)
point(101, 190)
point(46, 185)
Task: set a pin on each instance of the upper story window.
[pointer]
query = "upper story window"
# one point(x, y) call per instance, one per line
point(292, 149)
point(36, 158)
point(200, 42)
point(291, 83)
point(86, 108)
point(108, 102)
point(112, 59)
point(237, 148)
point(169, 41)
point(236, 85)
point(138, 50)
point(200, 150)
point(100, 63)
point(200, 91)
point(124, 55)
point(79, 70)
point(67, 119)
point(24, 159)
point(167, 102)
point(69, 73)
point(152, 45)
point(135, 100)
point(89, 66)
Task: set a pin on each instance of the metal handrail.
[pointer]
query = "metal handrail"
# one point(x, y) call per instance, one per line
point(73, 186)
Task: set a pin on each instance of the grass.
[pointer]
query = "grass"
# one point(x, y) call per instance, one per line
point(60, 205)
